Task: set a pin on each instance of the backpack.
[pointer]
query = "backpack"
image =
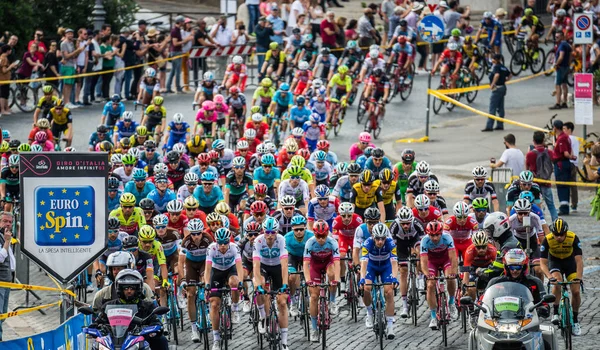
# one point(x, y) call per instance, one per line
point(543, 165)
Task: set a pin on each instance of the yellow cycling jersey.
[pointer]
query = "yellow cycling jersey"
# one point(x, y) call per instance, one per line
point(269, 55)
point(364, 200)
point(469, 50)
point(151, 112)
point(62, 118)
point(306, 175)
point(264, 96)
point(388, 196)
point(133, 223)
point(136, 143)
point(571, 246)
point(196, 149)
point(340, 83)
point(156, 251)
point(46, 103)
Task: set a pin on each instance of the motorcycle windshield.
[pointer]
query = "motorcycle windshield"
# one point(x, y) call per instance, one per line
point(119, 318)
point(508, 300)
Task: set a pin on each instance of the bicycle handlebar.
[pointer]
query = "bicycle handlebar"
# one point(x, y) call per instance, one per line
point(223, 289)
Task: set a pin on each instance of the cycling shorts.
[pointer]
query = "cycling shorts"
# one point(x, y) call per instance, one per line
point(247, 265)
point(383, 272)
point(273, 272)
point(295, 263)
point(404, 247)
point(193, 271)
point(438, 264)
point(568, 267)
point(344, 243)
point(59, 128)
point(319, 267)
point(461, 247)
point(220, 279)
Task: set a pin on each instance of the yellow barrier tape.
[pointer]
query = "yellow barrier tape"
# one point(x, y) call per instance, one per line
point(26, 81)
point(554, 182)
point(476, 111)
point(412, 140)
point(24, 311)
point(31, 287)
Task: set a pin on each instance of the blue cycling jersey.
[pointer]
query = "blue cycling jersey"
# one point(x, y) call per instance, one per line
point(385, 163)
point(282, 100)
point(300, 115)
point(331, 158)
point(362, 160)
point(196, 170)
point(208, 199)
point(113, 203)
point(94, 139)
point(114, 113)
point(379, 256)
point(160, 201)
point(125, 131)
point(329, 250)
point(268, 179)
point(493, 26)
point(407, 49)
point(139, 195)
point(439, 250)
point(294, 247)
point(178, 133)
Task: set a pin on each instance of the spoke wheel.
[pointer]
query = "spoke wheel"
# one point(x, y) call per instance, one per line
point(437, 103)
point(360, 111)
point(538, 64)
point(480, 69)
point(442, 317)
point(173, 318)
point(26, 98)
point(550, 58)
point(380, 326)
point(517, 62)
point(405, 90)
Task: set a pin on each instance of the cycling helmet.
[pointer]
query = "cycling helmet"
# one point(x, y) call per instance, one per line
point(306, 38)
point(522, 205)
point(258, 207)
point(222, 236)
point(147, 204)
point(113, 183)
point(364, 137)
point(434, 228)
point(266, 82)
point(405, 215)
point(115, 98)
point(317, 83)
point(196, 140)
point(325, 51)
point(104, 146)
point(374, 47)
point(559, 227)
point(351, 44)
point(4, 147)
point(354, 169)
point(422, 202)
point(323, 145)
point(346, 208)
point(372, 214)
point(59, 103)
point(320, 156)
point(260, 188)
point(526, 176)
point(377, 152)
point(452, 46)
point(218, 145)
point(366, 177)
point(250, 134)
point(127, 116)
point(134, 152)
point(315, 118)
point(129, 279)
point(190, 203)
point(208, 76)
point(24, 147)
point(255, 109)
point(238, 162)
point(179, 148)
point(130, 242)
point(127, 200)
point(480, 203)
point(487, 15)
point(174, 206)
point(218, 98)
point(304, 153)
point(380, 231)
point(253, 227)
point(321, 229)
point(303, 65)
point(141, 130)
point(515, 257)
point(298, 220)
point(267, 159)
point(41, 137)
point(431, 186)
point(158, 100)
point(6, 134)
point(374, 53)
point(42, 123)
point(341, 168)
point(271, 224)
point(160, 168)
point(113, 223)
point(237, 59)
point(460, 210)
point(422, 168)
point(13, 160)
point(295, 171)
point(208, 176)
point(377, 72)
point(196, 225)
point(173, 157)
point(257, 117)
point(234, 90)
point(208, 106)
point(403, 23)
point(528, 11)
point(150, 72)
point(67, 149)
point(386, 176)
point(14, 144)
point(214, 155)
point(139, 174)
point(178, 118)
point(288, 201)
point(242, 145)
point(300, 100)
point(203, 158)
point(297, 132)
point(273, 45)
point(561, 13)
point(402, 40)
point(161, 178)
point(322, 191)
point(368, 151)
point(126, 142)
point(496, 224)
point(147, 233)
point(214, 217)
point(298, 161)
point(527, 195)
point(160, 220)
point(47, 89)
point(479, 172)
point(262, 149)
point(285, 87)
point(455, 32)
point(480, 238)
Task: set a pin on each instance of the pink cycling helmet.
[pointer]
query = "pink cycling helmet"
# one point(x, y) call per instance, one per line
point(219, 99)
point(208, 105)
point(364, 137)
point(41, 136)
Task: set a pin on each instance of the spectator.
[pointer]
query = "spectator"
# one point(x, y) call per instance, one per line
point(316, 15)
point(51, 62)
point(69, 64)
point(568, 128)
point(366, 31)
point(119, 47)
point(12, 42)
point(439, 47)
point(298, 7)
point(285, 10)
point(37, 39)
point(350, 32)
point(265, 7)
point(277, 24)
point(175, 49)
point(222, 36)
point(263, 39)
point(5, 69)
point(340, 35)
point(386, 13)
point(240, 36)
point(562, 64)
point(83, 42)
point(94, 66)
point(328, 29)
point(108, 62)
point(186, 32)
point(7, 260)
point(157, 45)
point(531, 160)
point(129, 59)
point(140, 48)
point(512, 157)
point(201, 38)
point(305, 28)
point(411, 21)
point(30, 63)
point(452, 17)
point(253, 13)
point(498, 77)
point(562, 157)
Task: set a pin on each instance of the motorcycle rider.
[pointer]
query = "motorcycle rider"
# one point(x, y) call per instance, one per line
point(497, 226)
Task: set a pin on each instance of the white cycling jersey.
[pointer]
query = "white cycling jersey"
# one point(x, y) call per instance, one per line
point(270, 256)
point(299, 192)
point(223, 261)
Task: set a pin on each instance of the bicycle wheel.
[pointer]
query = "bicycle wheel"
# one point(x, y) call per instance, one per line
point(405, 90)
point(323, 322)
point(224, 327)
point(273, 332)
point(509, 40)
point(338, 123)
point(442, 317)
point(304, 316)
point(352, 295)
point(517, 62)
point(538, 61)
point(472, 95)
point(360, 111)
point(550, 58)
point(11, 97)
point(437, 103)
point(233, 134)
point(566, 323)
point(571, 78)
point(172, 325)
point(380, 325)
point(413, 298)
point(480, 69)
point(204, 325)
point(394, 87)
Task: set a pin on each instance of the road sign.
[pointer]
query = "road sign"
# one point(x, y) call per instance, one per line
point(432, 4)
point(431, 29)
point(583, 29)
point(584, 98)
point(65, 206)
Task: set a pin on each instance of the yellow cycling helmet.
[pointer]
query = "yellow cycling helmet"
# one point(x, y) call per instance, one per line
point(4, 147)
point(273, 46)
point(142, 130)
point(190, 203)
point(222, 208)
point(266, 82)
point(343, 69)
point(255, 109)
point(127, 200)
point(386, 176)
point(298, 161)
point(147, 233)
point(295, 170)
point(291, 146)
point(196, 140)
point(158, 100)
point(213, 217)
point(47, 89)
point(366, 177)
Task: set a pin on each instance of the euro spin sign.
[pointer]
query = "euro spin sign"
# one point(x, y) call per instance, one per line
point(64, 210)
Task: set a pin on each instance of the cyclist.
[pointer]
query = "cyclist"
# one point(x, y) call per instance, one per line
point(10, 190)
point(237, 107)
point(534, 29)
point(62, 122)
point(190, 181)
point(293, 45)
point(258, 212)
point(222, 110)
point(280, 105)
point(497, 226)
point(295, 242)
point(353, 57)
point(124, 128)
point(561, 254)
point(130, 217)
point(114, 194)
point(404, 29)
point(328, 61)
point(362, 159)
point(161, 168)
point(493, 29)
point(223, 268)
point(378, 161)
point(143, 261)
point(260, 194)
point(451, 61)
point(206, 120)
point(321, 257)
point(344, 185)
point(424, 211)
point(162, 194)
point(155, 117)
point(314, 130)
point(437, 253)
point(322, 169)
point(177, 167)
point(342, 82)
point(178, 131)
point(432, 190)
point(478, 257)
point(45, 103)
point(417, 180)
point(378, 89)
point(190, 205)
point(312, 91)
point(371, 63)
point(112, 112)
point(331, 157)
point(208, 195)
point(192, 257)
point(523, 183)
point(149, 87)
point(235, 74)
point(246, 246)
point(139, 187)
point(137, 139)
point(390, 194)
point(203, 165)
point(480, 210)
point(268, 174)
point(407, 233)
point(322, 207)
point(169, 239)
point(480, 187)
point(471, 55)
point(302, 79)
point(225, 156)
point(238, 186)
point(269, 257)
point(41, 139)
point(296, 187)
point(285, 214)
point(379, 260)
point(319, 104)
point(370, 218)
point(561, 23)
point(265, 94)
point(147, 205)
point(299, 114)
point(176, 220)
point(42, 125)
point(309, 50)
point(532, 232)
point(404, 53)
point(275, 62)
point(149, 244)
point(366, 193)
point(534, 209)
point(207, 89)
point(461, 226)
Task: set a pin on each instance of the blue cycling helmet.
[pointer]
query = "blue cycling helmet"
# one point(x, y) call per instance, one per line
point(267, 159)
point(5, 134)
point(207, 176)
point(218, 145)
point(223, 235)
point(271, 224)
point(160, 220)
point(322, 90)
point(139, 174)
point(527, 195)
point(298, 220)
point(322, 191)
point(315, 118)
point(225, 221)
point(300, 100)
point(320, 156)
point(285, 87)
point(367, 152)
point(113, 183)
point(115, 98)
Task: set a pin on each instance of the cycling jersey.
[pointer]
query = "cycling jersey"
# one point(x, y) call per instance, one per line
point(472, 257)
point(131, 224)
point(143, 262)
point(170, 241)
point(269, 256)
point(150, 85)
point(295, 247)
point(299, 192)
point(155, 115)
point(520, 231)
point(405, 49)
point(11, 181)
point(283, 99)
point(203, 118)
point(209, 90)
point(177, 131)
point(236, 69)
point(178, 225)
point(113, 246)
point(363, 200)
point(319, 107)
point(196, 170)
point(433, 214)
point(415, 185)
point(236, 103)
point(114, 203)
point(460, 233)
point(316, 211)
point(113, 114)
point(379, 86)
point(470, 51)
point(226, 159)
point(369, 66)
point(45, 104)
point(177, 172)
point(277, 60)
point(123, 130)
point(263, 96)
point(261, 176)
point(156, 251)
point(63, 118)
point(343, 188)
point(385, 164)
point(379, 260)
point(552, 249)
point(316, 252)
point(222, 113)
point(534, 209)
point(491, 27)
point(391, 196)
point(161, 200)
point(361, 234)
point(323, 173)
point(285, 222)
point(137, 192)
point(452, 58)
point(208, 199)
point(271, 204)
point(196, 150)
point(196, 251)
point(223, 261)
point(238, 187)
point(439, 250)
point(309, 51)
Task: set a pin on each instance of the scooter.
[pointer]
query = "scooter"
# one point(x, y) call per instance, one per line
point(125, 331)
point(508, 320)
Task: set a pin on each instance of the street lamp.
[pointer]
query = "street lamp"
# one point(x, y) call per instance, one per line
point(98, 15)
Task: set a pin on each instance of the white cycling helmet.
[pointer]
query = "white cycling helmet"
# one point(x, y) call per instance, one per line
point(422, 168)
point(134, 152)
point(120, 258)
point(150, 72)
point(487, 15)
point(522, 205)
point(238, 161)
point(405, 215)
point(257, 117)
point(179, 148)
point(242, 144)
point(127, 116)
point(178, 118)
point(461, 209)
point(374, 53)
point(298, 132)
point(191, 179)
point(317, 83)
point(422, 202)
point(195, 225)
point(209, 76)
point(346, 208)
point(160, 168)
point(431, 186)
point(374, 47)
point(479, 172)
point(479, 238)
point(303, 65)
point(288, 201)
point(262, 149)
point(452, 46)
point(250, 133)
point(116, 158)
point(237, 59)
point(174, 206)
point(496, 224)
point(380, 231)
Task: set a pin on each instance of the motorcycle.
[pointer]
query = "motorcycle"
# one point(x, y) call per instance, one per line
point(125, 331)
point(508, 320)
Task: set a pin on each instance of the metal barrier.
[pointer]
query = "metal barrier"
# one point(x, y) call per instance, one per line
point(206, 58)
point(501, 177)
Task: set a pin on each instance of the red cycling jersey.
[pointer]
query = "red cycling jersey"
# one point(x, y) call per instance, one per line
point(345, 233)
point(432, 214)
point(451, 57)
point(472, 258)
point(460, 233)
point(262, 130)
point(181, 222)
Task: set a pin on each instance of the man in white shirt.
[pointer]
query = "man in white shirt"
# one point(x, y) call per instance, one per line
point(568, 128)
point(222, 36)
point(512, 157)
point(7, 260)
point(296, 9)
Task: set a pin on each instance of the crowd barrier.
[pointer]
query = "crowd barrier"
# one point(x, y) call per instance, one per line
point(28, 287)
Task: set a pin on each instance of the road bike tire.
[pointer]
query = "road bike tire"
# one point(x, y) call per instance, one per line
point(381, 324)
point(571, 78)
point(204, 323)
point(351, 292)
point(304, 316)
point(438, 103)
point(233, 134)
point(464, 313)
point(442, 306)
point(566, 323)
point(11, 97)
point(224, 328)
point(323, 321)
point(173, 318)
point(550, 59)
point(337, 127)
point(360, 112)
point(273, 332)
point(405, 90)
point(509, 40)
point(517, 61)
point(31, 98)
point(538, 65)
point(394, 87)
point(480, 69)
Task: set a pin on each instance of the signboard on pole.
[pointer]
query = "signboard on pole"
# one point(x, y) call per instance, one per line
point(583, 29)
point(65, 206)
point(584, 98)
point(431, 28)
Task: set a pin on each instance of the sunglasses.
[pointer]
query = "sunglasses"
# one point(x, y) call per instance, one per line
point(128, 165)
point(377, 159)
point(207, 184)
point(435, 234)
point(515, 267)
point(259, 214)
point(346, 216)
point(423, 210)
point(481, 247)
point(148, 212)
point(480, 180)
point(299, 229)
point(215, 223)
point(379, 239)
point(295, 177)
point(270, 232)
point(405, 224)
point(175, 214)
point(160, 227)
point(134, 249)
point(252, 234)
point(129, 288)
point(522, 214)
point(143, 180)
point(239, 167)
point(147, 241)
point(196, 233)
point(372, 223)
point(288, 208)
point(150, 150)
point(203, 164)
point(267, 166)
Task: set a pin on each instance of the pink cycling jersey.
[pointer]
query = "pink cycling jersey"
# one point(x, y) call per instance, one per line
point(355, 151)
point(201, 117)
point(46, 146)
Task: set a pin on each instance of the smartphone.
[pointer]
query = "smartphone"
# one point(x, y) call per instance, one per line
point(493, 160)
point(17, 62)
point(531, 147)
